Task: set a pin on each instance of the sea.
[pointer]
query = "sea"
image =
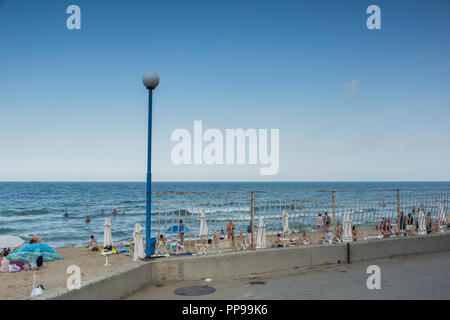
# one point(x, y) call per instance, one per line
point(36, 208)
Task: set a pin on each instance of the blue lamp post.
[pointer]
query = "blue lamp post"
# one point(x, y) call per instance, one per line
point(151, 81)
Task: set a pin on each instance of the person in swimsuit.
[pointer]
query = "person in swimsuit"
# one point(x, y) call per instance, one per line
point(181, 231)
point(230, 231)
point(319, 222)
point(354, 233)
point(93, 244)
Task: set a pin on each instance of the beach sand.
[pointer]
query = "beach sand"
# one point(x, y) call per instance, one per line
point(53, 274)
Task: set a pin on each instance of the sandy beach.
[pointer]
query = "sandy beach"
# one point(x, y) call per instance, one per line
point(53, 274)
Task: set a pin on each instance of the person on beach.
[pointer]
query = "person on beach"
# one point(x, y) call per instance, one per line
point(429, 223)
point(339, 231)
point(409, 224)
point(319, 222)
point(87, 219)
point(401, 222)
point(93, 244)
point(35, 239)
point(222, 234)
point(389, 229)
point(205, 247)
point(329, 237)
point(280, 242)
point(162, 240)
point(304, 239)
point(382, 226)
point(354, 233)
point(181, 228)
point(327, 222)
point(230, 231)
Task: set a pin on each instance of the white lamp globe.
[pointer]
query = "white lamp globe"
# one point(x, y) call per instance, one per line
point(150, 80)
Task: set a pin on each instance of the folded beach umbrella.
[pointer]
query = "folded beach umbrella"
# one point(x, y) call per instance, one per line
point(285, 222)
point(421, 220)
point(10, 242)
point(177, 229)
point(107, 236)
point(347, 227)
point(442, 214)
point(261, 234)
point(139, 251)
point(203, 226)
point(30, 252)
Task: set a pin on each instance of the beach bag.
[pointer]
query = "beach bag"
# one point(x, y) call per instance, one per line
point(40, 261)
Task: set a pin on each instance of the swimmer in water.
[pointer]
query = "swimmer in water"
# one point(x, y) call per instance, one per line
point(123, 212)
point(114, 211)
point(88, 219)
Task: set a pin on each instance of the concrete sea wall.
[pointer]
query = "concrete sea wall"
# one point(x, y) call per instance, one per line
point(130, 278)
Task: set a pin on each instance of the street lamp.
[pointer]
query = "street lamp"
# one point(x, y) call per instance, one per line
point(150, 81)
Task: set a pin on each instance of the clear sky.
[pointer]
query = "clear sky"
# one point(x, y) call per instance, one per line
point(351, 103)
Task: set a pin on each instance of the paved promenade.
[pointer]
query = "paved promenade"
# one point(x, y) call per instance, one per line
point(423, 276)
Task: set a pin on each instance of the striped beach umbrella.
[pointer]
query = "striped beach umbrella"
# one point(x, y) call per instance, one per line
point(30, 251)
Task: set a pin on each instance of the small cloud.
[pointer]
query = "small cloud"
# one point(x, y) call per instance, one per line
point(351, 87)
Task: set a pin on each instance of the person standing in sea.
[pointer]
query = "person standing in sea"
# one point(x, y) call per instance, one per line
point(114, 211)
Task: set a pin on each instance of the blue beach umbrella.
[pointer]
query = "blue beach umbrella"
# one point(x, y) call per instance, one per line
point(30, 251)
point(177, 229)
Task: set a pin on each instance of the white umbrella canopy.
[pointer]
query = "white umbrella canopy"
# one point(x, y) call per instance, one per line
point(107, 236)
point(203, 226)
point(139, 251)
point(11, 242)
point(261, 234)
point(285, 222)
point(347, 228)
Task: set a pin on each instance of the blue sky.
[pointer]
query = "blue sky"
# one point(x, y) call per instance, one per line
point(351, 104)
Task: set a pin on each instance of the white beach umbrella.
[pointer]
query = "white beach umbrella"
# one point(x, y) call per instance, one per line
point(441, 213)
point(347, 227)
point(203, 225)
point(421, 219)
point(107, 236)
point(285, 222)
point(11, 242)
point(261, 234)
point(139, 251)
